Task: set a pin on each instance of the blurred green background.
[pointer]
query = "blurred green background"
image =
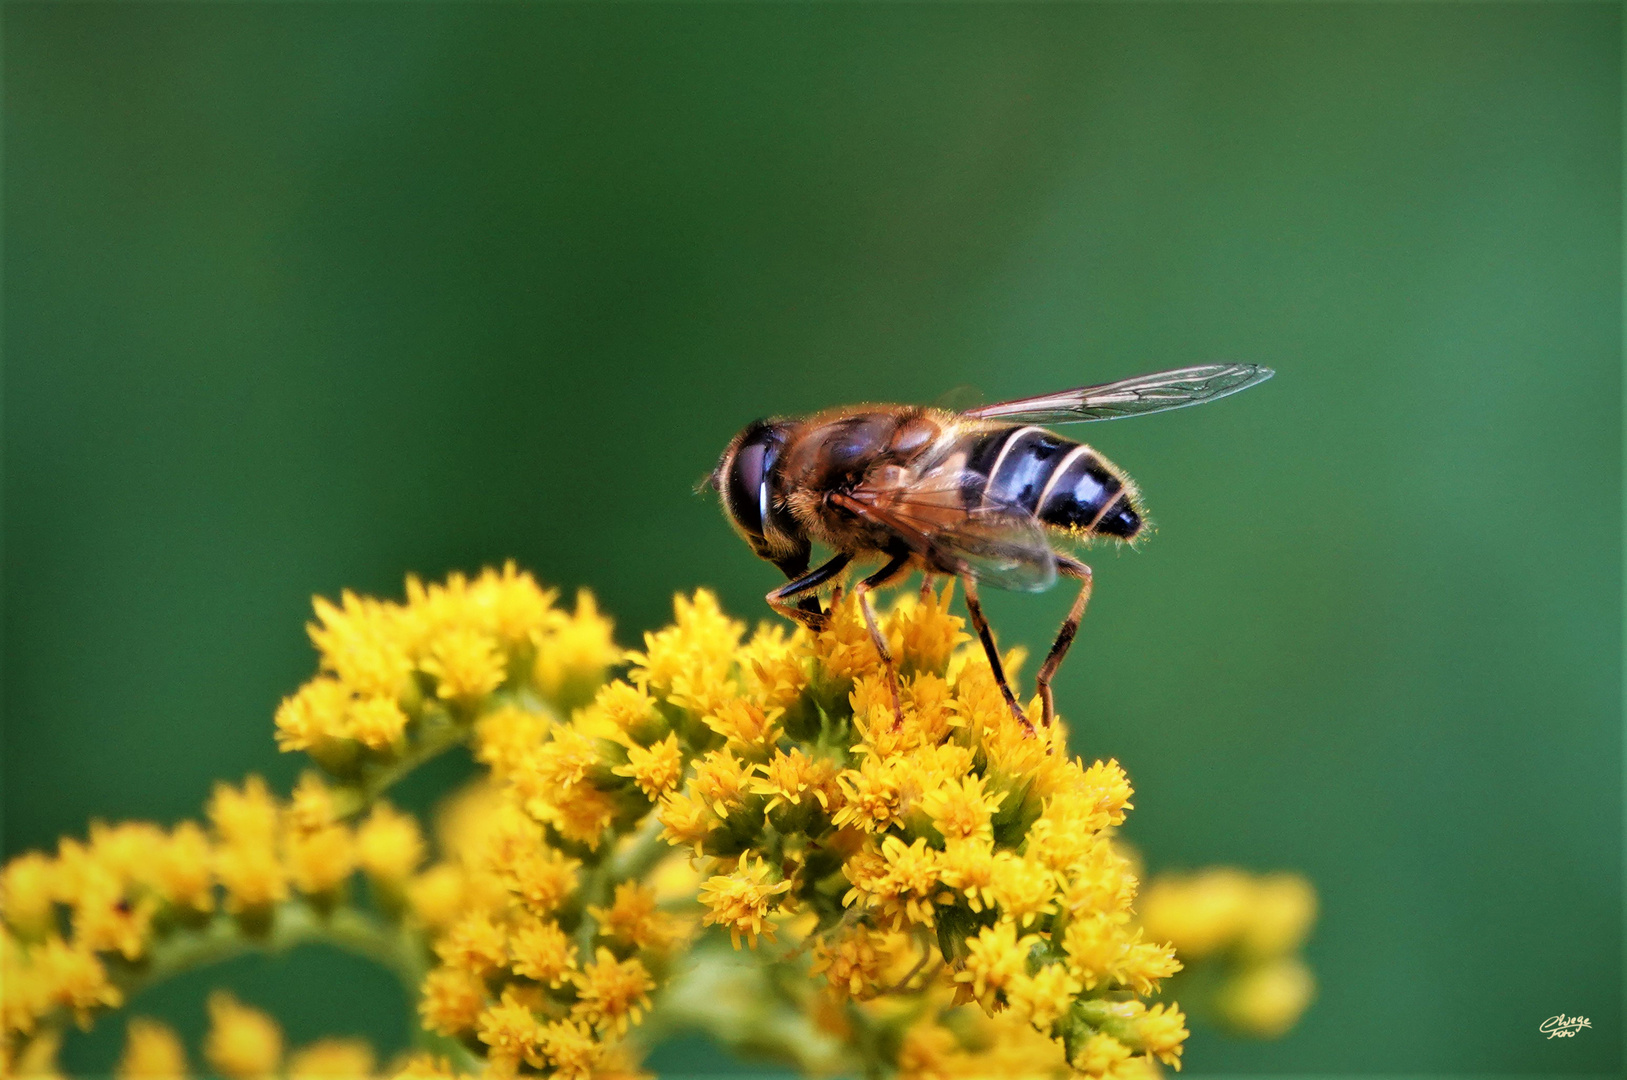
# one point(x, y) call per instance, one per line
point(302, 297)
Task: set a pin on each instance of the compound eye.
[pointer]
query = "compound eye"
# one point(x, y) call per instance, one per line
point(748, 493)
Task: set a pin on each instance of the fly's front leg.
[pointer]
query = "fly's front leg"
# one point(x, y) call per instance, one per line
point(1064, 637)
point(813, 620)
point(899, 564)
point(794, 566)
point(986, 636)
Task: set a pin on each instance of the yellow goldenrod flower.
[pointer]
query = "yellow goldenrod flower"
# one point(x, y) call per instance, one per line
point(1199, 914)
point(37, 1061)
point(1267, 999)
point(389, 846)
point(242, 1042)
point(319, 861)
point(573, 659)
point(152, 1051)
point(26, 894)
point(378, 723)
point(775, 669)
point(1107, 791)
point(318, 711)
point(475, 944)
point(310, 806)
point(26, 994)
point(843, 647)
point(907, 886)
point(872, 798)
point(425, 1066)
point(968, 867)
point(541, 951)
point(960, 810)
point(610, 993)
point(1100, 1055)
point(542, 878)
point(72, 977)
point(437, 895)
point(451, 1001)
point(691, 660)
point(182, 868)
point(365, 643)
point(1022, 889)
point(629, 710)
point(253, 876)
point(687, 822)
point(106, 920)
point(465, 663)
point(246, 816)
point(929, 1051)
point(852, 963)
point(742, 900)
point(925, 631)
point(125, 850)
point(1099, 949)
point(332, 1059)
point(511, 605)
point(582, 818)
point(655, 770)
point(1281, 911)
point(722, 782)
point(571, 1049)
point(1162, 1033)
point(995, 958)
point(1043, 998)
point(505, 737)
point(749, 728)
point(796, 779)
point(512, 1032)
point(633, 919)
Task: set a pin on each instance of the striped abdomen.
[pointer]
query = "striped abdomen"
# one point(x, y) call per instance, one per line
point(1064, 484)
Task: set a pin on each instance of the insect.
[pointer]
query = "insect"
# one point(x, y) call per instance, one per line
point(977, 495)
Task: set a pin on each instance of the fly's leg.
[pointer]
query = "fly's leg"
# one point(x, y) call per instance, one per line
point(794, 566)
point(809, 581)
point(986, 636)
point(899, 564)
point(1064, 637)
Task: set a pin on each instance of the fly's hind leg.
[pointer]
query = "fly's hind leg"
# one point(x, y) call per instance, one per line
point(896, 566)
point(986, 636)
point(1064, 638)
point(812, 618)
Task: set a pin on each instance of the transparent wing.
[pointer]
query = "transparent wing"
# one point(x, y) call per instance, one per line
point(1001, 545)
point(1129, 397)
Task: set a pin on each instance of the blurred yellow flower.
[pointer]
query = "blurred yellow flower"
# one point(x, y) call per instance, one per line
point(152, 1051)
point(242, 1041)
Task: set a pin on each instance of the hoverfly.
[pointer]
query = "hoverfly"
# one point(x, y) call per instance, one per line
point(976, 495)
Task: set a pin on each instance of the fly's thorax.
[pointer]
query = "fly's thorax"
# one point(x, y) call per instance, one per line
point(840, 449)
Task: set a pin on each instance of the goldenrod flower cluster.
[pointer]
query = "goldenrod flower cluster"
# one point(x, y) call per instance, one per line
point(1243, 933)
point(243, 1043)
point(739, 835)
point(944, 837)
point(404, 679)
point(83, 927)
